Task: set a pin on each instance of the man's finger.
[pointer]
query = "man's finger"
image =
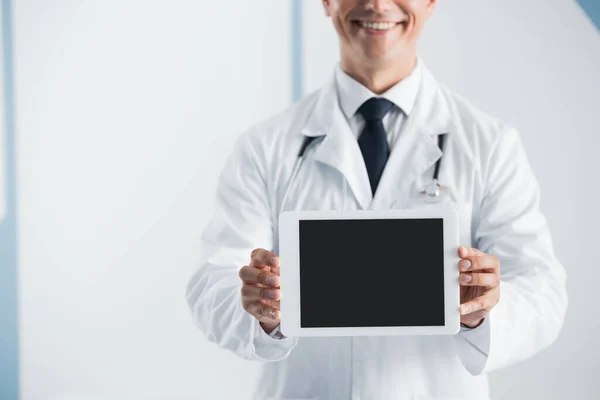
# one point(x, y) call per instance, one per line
point(474, 319)
point(479, 279)
point(262, 310)
point(465, 252)
point(276, 304)
point(253, 293)
point(249, 274)
point(262, 258)
point(479, 262)
point(485, 302)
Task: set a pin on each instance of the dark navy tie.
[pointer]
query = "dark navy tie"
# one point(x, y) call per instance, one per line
point(373, 139)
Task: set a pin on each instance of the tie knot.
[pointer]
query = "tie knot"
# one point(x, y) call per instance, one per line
point(375, 108)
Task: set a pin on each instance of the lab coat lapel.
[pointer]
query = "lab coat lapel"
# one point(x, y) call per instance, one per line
point(416, 149)
point(339, 148)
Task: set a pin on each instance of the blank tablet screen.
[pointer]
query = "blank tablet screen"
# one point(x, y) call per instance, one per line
point(371, 273)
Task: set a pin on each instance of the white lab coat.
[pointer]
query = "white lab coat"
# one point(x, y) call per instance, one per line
point(486, 171)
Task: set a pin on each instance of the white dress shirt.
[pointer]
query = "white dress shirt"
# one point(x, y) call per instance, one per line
point(352, 94)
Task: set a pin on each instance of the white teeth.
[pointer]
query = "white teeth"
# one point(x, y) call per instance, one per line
point(381, 26)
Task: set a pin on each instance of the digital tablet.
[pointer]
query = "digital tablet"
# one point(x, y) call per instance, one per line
point(369, 273)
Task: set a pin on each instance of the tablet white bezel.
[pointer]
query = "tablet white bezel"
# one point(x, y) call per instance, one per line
point(290, 271)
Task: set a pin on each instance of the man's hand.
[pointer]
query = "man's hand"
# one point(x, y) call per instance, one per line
point(479, 285)
point(260, 288)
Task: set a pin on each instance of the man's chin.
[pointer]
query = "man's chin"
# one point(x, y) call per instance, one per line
point(379, 57)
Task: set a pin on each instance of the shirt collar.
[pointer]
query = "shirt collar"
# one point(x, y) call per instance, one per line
point(352, 94)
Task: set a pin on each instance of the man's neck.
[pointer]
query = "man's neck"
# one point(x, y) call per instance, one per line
point(379, 78)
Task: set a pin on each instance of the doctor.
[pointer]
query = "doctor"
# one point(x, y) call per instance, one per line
point(375, 128)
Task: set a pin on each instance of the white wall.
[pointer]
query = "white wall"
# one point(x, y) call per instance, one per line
point(124, 115)
point(535, 64)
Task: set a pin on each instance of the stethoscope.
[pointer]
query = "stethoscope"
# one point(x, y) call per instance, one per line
point(432, 190)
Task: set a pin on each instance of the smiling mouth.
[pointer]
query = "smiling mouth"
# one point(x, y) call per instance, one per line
point(377, 26)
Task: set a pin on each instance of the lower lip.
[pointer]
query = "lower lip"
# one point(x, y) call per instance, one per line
point(378, 32)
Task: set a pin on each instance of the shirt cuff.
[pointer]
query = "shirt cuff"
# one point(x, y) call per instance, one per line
point(271, 347)
point(474, 346)
point(276, 333)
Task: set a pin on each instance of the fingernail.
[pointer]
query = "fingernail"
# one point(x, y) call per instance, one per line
point(275, 314)
point(466, 278)
point(274, 260)
point(466, 264)
point(272, 280)
point(465, 310)
point(273, 294)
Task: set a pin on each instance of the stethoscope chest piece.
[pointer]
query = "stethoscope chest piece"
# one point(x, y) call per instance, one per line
point(434, 193)
point(433, 189)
